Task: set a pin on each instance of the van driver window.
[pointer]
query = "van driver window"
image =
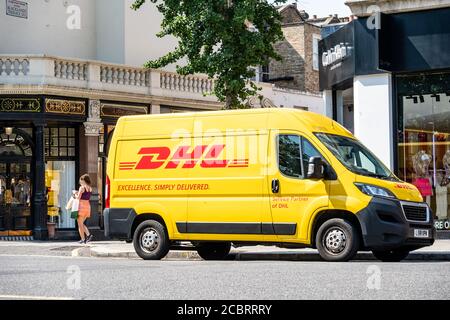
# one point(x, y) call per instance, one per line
point(308, 152)
point(289, 155)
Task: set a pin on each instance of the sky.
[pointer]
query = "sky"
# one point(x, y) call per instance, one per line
point(323, 8)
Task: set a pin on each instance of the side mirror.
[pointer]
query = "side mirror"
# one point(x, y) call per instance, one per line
point(316, 168)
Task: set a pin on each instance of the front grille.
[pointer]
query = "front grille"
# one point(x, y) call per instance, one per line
point(416, 213)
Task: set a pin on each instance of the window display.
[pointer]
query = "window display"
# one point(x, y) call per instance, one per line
point(424, 139)
point(60, 181)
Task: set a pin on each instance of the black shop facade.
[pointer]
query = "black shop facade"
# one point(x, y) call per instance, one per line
point(390, 74)
point(46, 143)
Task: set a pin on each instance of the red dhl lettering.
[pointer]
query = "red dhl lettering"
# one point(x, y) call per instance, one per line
point(404, 186)
point(185, 157)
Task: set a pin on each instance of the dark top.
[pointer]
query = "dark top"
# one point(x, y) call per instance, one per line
point(86, 195)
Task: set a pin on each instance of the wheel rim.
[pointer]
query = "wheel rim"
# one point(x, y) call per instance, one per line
point(335, 240)
point(149, 240)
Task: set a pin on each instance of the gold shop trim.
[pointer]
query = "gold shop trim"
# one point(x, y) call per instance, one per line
point(422, 144)
point(72, 107)
point(19, 105)
point(120, 110)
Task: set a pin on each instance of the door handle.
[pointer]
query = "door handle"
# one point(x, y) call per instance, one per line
point(275, 186)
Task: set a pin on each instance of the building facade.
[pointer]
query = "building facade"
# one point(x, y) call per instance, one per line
point(298, 68)
point(62, 91)
point(393, 69)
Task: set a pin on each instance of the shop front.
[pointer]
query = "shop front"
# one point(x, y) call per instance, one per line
point(39, 139)
point(423, 139)
point(46, 143)
point(396, 78)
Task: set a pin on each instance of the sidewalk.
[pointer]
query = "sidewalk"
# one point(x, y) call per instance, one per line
point(440, 251)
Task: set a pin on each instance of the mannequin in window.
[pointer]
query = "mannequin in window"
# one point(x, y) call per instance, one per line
point(441, 197)
point(421, 164)
point(446, 162)
point(441, 189)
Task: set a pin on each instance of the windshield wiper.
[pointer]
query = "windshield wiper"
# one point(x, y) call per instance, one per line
point(374, 175)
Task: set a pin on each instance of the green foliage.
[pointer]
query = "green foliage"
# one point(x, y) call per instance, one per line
point(214, 38)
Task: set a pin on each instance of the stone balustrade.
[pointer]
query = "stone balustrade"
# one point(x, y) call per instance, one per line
point(115, 81)
point(124, 75)
point(11, 66)
point(73, 70)
point(194, 84)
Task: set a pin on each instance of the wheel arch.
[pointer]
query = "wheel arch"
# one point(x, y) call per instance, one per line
point(327, 214)
point(149, 216)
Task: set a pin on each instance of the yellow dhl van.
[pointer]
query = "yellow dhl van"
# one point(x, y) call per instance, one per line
point(263, 176)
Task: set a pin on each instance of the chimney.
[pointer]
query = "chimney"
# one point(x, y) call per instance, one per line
point(335, 15)
point(315, 16)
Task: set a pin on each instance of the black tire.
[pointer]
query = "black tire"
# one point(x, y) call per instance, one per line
point(151, 241)
point(213, 250)
point(337, 240)
point(396, 255)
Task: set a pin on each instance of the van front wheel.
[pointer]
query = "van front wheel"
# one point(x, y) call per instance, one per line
point(337, 240)
point(213, 250)
point(150, 240)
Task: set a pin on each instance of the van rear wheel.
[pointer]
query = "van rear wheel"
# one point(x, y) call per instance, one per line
point(396, 255)
point(213, 250)
point(151, 241)
point(337, 240)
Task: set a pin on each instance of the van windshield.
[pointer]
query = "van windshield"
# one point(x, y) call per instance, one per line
point(355, 156)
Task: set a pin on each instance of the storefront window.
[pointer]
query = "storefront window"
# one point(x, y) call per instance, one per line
point(60, 182)
point(60, 142)
point(60, 150)
point(424, 139)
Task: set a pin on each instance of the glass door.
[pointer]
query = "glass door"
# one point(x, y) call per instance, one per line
point(15, 198)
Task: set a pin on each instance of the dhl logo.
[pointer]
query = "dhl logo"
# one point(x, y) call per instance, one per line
point(204, 156)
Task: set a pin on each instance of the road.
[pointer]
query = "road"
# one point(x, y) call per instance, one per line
point(65, 277)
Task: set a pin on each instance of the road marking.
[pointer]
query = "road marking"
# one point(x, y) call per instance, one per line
point(17, 297)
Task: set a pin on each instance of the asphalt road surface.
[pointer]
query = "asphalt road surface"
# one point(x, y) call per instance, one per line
point(60, 277)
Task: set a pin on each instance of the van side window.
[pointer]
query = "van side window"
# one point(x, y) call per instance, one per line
point(308, 151)
point(289, 155)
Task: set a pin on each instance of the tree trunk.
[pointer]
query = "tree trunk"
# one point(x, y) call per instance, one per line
point(228, 103)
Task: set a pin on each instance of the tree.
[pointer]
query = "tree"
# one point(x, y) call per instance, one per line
point(222, 39)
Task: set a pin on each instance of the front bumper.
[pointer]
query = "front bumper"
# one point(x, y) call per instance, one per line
point(384, 226)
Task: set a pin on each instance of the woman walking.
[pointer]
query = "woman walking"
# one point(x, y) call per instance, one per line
point(84, 210)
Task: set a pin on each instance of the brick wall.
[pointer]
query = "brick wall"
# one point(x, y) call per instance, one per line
point(296, 51)
point(292, 52)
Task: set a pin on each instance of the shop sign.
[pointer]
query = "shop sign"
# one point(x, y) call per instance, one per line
point(69, 107)
point(337, 63)
point(18, 9)
point(19, 105)
point(442, 225)
point(336, 54)
point(119, 110)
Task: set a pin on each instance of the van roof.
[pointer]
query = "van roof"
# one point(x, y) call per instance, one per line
point(286, 118)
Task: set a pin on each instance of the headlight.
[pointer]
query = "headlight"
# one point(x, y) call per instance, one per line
point(375, 191)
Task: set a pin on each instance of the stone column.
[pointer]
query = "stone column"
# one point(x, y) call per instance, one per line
point(40, 231)
point(373, 115)
point(89, 158)
point(155, 109)
point(328, 103)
